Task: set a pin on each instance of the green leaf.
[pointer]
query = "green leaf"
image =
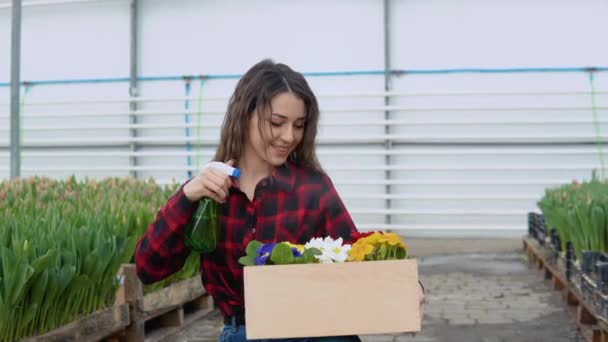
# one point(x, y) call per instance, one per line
point(383, 252)
point(29, 314)
point(598, 219)
point(64, 277)
point(282, 254)
point(252, 248)
point(129, 247)
point(79, 283)
point(16, 276)
point(401, 253)
point(246, 261)
point(90, 263)
point(39, 287)
point(45, 262)
point(309, 255)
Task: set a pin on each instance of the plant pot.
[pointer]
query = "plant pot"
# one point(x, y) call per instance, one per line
point(570, 259)
point(588, 260)
point(602, 277)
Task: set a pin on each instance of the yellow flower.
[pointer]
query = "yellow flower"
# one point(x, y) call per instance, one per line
point(359, 250)
point(372, 239)
point(392, 239)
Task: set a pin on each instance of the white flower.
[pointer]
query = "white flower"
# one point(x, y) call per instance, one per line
point(314, 243)
point(332, 250)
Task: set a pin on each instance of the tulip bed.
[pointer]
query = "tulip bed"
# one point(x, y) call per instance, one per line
point(575, 234)
point(578, 211)
point(62, 243)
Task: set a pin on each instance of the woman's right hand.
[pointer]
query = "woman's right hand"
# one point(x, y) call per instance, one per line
point(209, 183)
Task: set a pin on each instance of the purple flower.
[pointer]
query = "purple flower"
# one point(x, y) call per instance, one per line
point(296, 252)
point(264, 252)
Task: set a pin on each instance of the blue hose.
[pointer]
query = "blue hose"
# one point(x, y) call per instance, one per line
point(323, 73)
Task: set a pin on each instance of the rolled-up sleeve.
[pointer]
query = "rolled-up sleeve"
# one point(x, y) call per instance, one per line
point(161, 251)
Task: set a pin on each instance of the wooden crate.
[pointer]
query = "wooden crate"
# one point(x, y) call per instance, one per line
point(391, 302)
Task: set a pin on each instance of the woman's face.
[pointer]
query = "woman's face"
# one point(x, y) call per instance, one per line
point(283, 129)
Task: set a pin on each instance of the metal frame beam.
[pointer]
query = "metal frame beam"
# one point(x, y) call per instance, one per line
point(15, 143)
point(133, 91)
point(387, 100)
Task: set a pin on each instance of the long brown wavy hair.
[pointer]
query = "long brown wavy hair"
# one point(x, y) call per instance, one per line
point(253, 94)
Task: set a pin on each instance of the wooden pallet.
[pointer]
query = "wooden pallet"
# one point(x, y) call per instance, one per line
point(590, 326)
point(159, 315)
point(96, 326)
point(136, 317)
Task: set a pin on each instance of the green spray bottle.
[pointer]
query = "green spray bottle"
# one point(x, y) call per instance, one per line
point(203, 229)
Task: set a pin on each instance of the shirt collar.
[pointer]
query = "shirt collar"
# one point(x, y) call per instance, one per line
point(283, 176)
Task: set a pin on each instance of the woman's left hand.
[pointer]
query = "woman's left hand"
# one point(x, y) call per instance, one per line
point(422, 299)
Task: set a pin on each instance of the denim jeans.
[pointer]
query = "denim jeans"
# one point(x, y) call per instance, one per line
point(236, 333)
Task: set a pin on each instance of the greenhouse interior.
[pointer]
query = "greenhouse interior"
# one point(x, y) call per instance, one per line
point(412, 170)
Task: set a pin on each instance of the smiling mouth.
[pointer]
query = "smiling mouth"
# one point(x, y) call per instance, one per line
point(281, 150)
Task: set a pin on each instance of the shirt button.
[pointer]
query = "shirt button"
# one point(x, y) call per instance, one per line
point(264, 183)
point(253, 229)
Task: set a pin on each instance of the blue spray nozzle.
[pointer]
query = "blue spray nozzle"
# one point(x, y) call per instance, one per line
point(225, 168)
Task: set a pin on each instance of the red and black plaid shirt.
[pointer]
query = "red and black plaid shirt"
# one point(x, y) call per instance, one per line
point(294, 204)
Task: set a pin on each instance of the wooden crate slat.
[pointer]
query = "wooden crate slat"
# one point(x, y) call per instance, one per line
point(174, 295)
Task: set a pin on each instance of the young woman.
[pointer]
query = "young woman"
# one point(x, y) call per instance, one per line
point(282, 195)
